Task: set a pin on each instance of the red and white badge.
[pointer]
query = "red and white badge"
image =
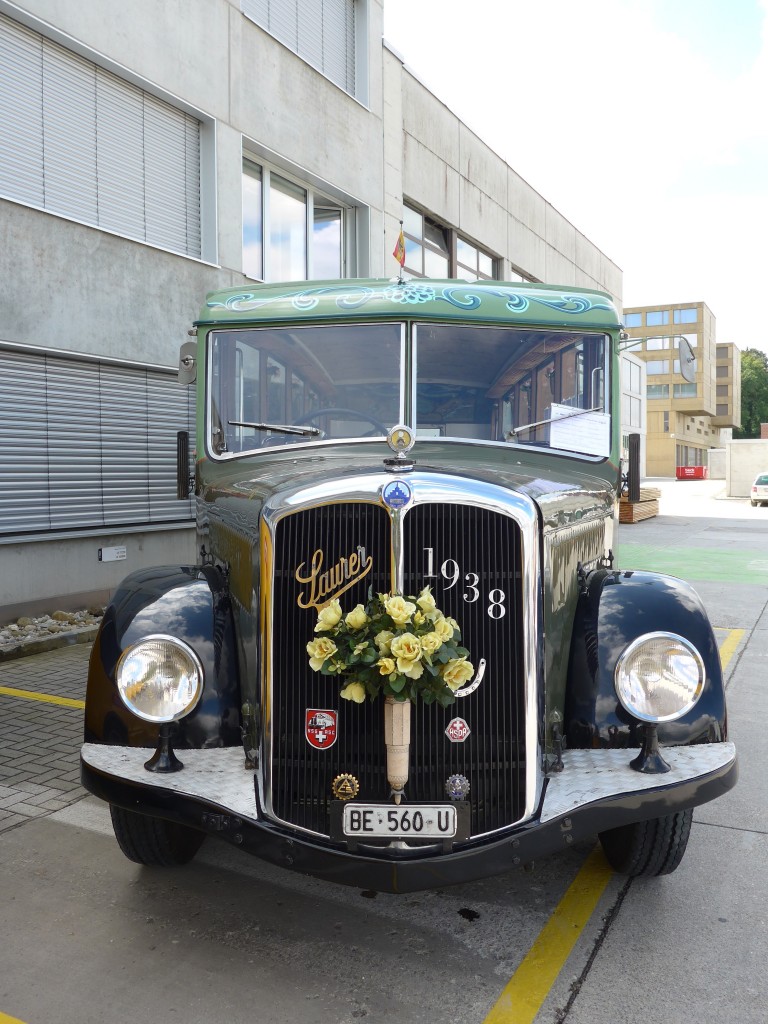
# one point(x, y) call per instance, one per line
point(321, 727)
point(457, 730)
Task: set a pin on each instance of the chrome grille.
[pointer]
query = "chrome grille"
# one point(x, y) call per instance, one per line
point(485, 546)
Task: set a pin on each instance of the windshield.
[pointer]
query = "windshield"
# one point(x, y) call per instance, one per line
point(521, 386)
point(327, 381)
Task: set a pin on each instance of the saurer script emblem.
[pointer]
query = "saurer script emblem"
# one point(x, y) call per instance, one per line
point(325, 585)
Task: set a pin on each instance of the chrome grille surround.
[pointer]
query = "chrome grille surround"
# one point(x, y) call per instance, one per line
point(351, 502)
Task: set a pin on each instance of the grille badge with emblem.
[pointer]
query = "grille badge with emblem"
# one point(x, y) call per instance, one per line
point(321, 728)
point(345, 786)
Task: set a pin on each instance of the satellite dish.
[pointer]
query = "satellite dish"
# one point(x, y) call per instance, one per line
point(687, 361)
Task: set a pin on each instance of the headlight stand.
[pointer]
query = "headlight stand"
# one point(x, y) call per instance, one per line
point(164, 759)
point(649, 761)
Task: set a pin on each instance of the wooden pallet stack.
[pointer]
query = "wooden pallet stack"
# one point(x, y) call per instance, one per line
point(646, 508)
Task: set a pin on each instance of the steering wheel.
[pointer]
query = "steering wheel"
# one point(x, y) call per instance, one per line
point(333, 411)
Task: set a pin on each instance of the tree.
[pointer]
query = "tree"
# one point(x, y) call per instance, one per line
point(754, 393)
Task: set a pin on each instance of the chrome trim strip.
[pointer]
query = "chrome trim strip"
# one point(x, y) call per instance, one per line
point(445, 488)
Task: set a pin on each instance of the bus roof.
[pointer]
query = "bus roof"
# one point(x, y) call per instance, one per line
point(423, 298)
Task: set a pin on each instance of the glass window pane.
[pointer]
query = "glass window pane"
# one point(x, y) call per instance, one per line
point(413, 257)
point(685, 316)
point(657, 391)
point(435, 264)
point(434, 234)
point(252, 220)
point(657, 317)
point(342, 379)
point(466, 254)
point(656, 366)
point(485, 264)
point(326, 242)
point(412, 222)
point(633, 319)
point(287, 231)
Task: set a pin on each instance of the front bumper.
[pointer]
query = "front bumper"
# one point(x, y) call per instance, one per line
point(597, 790)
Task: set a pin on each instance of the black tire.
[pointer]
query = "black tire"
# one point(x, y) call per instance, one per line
point(648, 848)
point(154, 841)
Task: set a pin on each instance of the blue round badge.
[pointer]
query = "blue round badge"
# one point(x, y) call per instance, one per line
point(396, 494)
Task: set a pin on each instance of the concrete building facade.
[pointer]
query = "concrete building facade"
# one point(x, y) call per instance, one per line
point(162, 151)
point(686, 419)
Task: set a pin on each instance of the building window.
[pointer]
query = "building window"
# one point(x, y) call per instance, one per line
point(683, 390)
point(722, 410)
point(722, 390)
point(321, 32)
point(722, 371)
point(657, 366)
point(290, 232)
point(722, 351)
point(666, 422)
point(432, 250)
point(685, 316)
point(634, 412)
point(80, 142)
point(657, 344)
point(472, 263)
point(633, 319)
point(657, 391)
point(657, 317)
point(64, 443)
point(692, 339)
point(634, 378)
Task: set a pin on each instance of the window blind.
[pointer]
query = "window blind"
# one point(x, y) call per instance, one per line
point(81, 142)
point(322, 32)
point(88, 443)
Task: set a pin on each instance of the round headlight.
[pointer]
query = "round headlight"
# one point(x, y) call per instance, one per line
point(659, 677)
point(160, 679)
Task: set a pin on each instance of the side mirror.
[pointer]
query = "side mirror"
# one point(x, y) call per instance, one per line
point(188, 363)
point(687, 360)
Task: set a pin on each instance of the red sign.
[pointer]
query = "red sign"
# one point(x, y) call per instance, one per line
point(457, 730)
point(320, 727)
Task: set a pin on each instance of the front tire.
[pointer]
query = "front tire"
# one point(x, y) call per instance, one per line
point(646, 849)
point(154, 841)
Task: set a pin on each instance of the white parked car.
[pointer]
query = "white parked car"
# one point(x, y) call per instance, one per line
point(759, 493)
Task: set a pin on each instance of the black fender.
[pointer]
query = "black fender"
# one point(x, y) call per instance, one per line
point(191, 603)
point(615, 608)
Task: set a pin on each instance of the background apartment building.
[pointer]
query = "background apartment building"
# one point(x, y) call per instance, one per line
point(162, 151)
point(685, 420)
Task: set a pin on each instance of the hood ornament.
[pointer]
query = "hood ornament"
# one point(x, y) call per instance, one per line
point(400, 439)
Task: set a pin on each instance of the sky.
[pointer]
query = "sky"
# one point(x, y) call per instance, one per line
point(644, 122)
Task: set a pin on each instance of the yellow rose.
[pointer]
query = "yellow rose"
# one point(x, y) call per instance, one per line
point(383, 640)
point(431, 642)
point(457, 672)
point(426, 602)
point(319, 651)
point(353, 691)
point(328, 617)
point(443, 628)
point(399, 610)
point(356, 618)
point(386, 666)
point(419, 619)
point(407, 650)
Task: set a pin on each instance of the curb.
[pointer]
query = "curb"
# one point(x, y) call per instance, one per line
point(42, 645)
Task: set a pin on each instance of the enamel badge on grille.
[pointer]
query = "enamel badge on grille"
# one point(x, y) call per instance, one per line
point(320, 728)
point(457, 730)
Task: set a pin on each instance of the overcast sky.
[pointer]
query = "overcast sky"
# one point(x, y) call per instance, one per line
point(644, 122)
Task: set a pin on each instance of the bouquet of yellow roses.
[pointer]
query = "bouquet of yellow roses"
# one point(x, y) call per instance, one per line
point(401, 647)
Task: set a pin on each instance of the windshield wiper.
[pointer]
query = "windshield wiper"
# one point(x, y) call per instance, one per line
point(280, 428)
point(512, 434)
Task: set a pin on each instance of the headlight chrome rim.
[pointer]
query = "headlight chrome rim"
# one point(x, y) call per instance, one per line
point(188, 652)
point(623, 673)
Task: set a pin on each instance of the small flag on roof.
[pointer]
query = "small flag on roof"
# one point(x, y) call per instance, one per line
point(399, 250)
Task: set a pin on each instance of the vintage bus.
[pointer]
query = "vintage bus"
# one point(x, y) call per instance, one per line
point(409, 653)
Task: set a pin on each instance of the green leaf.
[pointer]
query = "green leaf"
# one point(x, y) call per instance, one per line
point(397, 684)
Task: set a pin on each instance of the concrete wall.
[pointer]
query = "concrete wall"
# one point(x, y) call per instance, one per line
point(717, 463)
point(69, 286)
point(744, 460)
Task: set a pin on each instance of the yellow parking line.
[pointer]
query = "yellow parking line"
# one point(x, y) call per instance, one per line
point(529, 986)
point(47, 698)
point(5, 1019)
point(729, 645)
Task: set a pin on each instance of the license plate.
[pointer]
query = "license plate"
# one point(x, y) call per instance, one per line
point(426, 821)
